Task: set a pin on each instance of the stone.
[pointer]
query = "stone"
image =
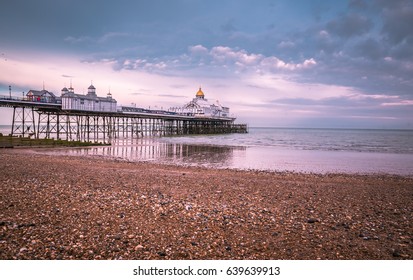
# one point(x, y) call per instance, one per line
point(138, 247)
point(23, 249)
point(312, 220)
point(161, 253)
point(265, 225)
point(397, 253)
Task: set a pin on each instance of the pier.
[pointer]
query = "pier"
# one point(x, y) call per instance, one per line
point(47, 119)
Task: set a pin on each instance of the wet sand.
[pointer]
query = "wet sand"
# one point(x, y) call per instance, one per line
point(67, 207)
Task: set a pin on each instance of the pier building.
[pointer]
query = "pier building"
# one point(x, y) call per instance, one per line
point(42, 96)
point(89, 102)
point(201, 107)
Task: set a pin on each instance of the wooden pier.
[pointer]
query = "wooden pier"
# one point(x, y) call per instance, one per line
point(49, 121)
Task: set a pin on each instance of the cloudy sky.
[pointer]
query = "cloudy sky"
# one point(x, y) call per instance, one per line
point(273, 62)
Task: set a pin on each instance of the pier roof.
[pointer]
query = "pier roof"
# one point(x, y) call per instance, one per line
point(43, 92)
point(200, 93)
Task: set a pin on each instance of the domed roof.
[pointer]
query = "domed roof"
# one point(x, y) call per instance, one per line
point(91, 87)
point(200, 93)
point(65, 89)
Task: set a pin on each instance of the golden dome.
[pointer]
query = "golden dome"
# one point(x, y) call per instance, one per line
point(200, 93)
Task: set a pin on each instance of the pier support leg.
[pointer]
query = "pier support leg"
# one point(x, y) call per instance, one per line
point(23, 122)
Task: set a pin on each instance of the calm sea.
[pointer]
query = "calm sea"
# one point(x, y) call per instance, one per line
point(275, 149)
point(5, 129)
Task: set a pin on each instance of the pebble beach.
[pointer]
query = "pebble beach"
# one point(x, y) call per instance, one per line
point(71, 207)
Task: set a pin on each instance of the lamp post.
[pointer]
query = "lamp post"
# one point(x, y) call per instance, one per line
point(10, 91)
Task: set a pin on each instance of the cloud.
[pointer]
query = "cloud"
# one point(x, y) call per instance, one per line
point(229, 26)
point(78, 40)
point(106, 38)
point(198, 50)
point(179, 86)
point(274, 63)
point(140, 65)
point(139, 93)
point(324, 42)
point(357, 5)
point(199, 60)
point(173, 95)
point(350, 99)
point(221, 54)
point(370, 48)
point(239, 59)
point(349, 25)
point(398, 20)
point(400, 103)
point(346, 56)
point(270, 98)
point(112, 36)
point(286, 45)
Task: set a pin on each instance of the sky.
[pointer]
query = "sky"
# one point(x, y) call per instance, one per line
point(275, 63)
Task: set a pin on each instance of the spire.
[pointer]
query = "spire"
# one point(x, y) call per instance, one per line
point(71, 89)
point(109, 95)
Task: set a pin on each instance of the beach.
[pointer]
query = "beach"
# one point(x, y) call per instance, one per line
point(73, 207)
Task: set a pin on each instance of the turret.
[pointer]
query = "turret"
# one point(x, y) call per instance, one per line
point(91, 91)
point(200, 94)
point(64, 90)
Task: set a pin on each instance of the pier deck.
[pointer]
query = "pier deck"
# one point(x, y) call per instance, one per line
point(48, 120)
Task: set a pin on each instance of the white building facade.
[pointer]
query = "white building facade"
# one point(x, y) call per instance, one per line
point(201, 107)
point(88, 102)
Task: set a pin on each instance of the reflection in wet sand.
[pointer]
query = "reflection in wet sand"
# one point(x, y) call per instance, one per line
point(250, 157)
point(150, 149)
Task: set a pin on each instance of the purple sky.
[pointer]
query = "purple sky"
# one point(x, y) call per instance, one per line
point(345, 64)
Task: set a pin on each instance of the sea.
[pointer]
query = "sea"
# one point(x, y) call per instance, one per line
point(351, 151)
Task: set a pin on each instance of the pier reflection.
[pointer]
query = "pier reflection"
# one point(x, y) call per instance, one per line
point(151, 149)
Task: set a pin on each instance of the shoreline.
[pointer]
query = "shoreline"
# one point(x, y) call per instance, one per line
point(10, 142)
point(292, 161)
point(71, 207)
